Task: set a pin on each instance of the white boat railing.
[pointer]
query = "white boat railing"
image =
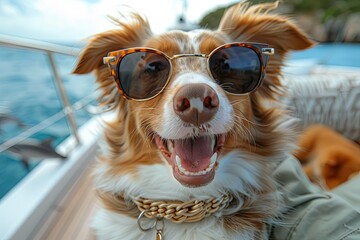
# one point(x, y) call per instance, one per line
point(36, 198)
point(17, 42)
point(50, 49)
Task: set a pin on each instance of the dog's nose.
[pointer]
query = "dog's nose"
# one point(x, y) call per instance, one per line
point(196, 103)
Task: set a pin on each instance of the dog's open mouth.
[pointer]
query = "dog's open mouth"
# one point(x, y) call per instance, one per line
point(193, 160)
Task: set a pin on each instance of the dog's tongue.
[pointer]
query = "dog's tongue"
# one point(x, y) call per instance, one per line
point(195, 153)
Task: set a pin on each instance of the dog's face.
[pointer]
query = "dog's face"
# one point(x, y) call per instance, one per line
point(189, 121)
point(195, 119)
point(340, 166)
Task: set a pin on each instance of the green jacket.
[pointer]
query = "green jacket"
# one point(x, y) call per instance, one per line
point(314, 214)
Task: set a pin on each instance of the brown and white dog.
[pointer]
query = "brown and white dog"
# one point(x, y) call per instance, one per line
point(186, 133)
point(328, 158)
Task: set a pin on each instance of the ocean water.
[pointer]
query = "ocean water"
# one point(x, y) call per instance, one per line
point(28, 92)
point(332, 54)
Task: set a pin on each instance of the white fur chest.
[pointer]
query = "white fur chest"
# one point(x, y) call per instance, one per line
point(110, 225)
point(235, 176)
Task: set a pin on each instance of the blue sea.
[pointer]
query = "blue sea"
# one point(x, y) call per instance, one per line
point(28, 92)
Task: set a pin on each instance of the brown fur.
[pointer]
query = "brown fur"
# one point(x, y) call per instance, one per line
point(118, 203)
point(255, 212)
point(328, 158)
point(129, 136)
point(256, 24)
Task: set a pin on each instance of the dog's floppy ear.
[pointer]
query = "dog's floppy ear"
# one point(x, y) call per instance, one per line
point(97, 48)
point(255, 23)
point(129, 35)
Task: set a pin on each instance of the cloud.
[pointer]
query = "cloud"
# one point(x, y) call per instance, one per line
point(16, 6)
point(69, 20)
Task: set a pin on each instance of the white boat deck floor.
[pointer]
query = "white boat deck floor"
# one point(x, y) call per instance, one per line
point(72, 217)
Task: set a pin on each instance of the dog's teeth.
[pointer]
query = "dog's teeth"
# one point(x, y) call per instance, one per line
point(203, 172)
point(178, 160)
point(178, 163)
point(170, 145)
point(213, 159)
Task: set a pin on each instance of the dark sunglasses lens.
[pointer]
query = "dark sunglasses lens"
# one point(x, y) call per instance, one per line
point(237, 69)
point(142, 75)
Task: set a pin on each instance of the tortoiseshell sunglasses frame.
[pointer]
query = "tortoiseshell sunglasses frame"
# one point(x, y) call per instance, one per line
point(114, 58)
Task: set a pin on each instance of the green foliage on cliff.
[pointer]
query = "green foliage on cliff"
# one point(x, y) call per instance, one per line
point(211, 20)
point(327, 8)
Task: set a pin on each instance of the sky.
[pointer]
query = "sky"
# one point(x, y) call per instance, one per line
point(73, 20)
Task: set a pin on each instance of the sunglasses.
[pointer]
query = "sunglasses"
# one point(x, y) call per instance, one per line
point(143, 73)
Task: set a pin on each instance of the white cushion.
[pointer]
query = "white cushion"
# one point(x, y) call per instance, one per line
point(327, 95)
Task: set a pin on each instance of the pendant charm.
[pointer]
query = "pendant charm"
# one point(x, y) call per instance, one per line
point(159, 235)
point(158, 224)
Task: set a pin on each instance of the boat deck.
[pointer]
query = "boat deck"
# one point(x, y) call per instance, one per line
point(71, 218)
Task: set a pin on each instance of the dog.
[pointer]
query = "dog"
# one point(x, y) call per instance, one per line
point(328, 158)
point(191, 150)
